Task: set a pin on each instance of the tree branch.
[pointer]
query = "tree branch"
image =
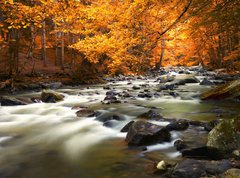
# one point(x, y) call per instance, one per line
point(177, 20)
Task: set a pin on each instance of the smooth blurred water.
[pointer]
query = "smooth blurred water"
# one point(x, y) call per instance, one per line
point(45, 140)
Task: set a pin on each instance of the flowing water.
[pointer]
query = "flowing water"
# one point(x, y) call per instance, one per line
point(48, 140)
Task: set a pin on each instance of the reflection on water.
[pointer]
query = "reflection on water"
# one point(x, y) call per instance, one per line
point(48, 140)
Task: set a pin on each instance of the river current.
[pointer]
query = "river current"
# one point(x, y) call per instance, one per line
point(48, 140)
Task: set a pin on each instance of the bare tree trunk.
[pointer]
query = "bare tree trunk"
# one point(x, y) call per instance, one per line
point(16, 52)
point(220, 51)
point(44, 58)
point(32, 47)
point(62, 51)
point(159, 63)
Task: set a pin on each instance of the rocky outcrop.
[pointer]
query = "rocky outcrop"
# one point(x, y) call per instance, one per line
point(49, 96)
point(229, 90)
point(225, 136)
point(145, 133)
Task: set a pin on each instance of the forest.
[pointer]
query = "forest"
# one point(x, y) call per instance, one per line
point(117, 37)
point(119, 88)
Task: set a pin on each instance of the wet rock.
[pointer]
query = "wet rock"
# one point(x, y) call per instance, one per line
point(189, 168)
point(206, 153)
point(49, 96)
point(225, 136)
point(127, 126)
point(173, 94)
point(111, 123)
point(9, 101)
point(205, 81)
point(197, 123)
point(110, 97)
point(229, 90)
point(162, 166)
point(181, 79)
point(145, 95)
point(145, 133)
point(178, 125)
point(167, 87)
point(112, 93)
point(151, 114)
point(107, 88)
point(180, 145)
point(231, 173)
point(126, 95)
point(86, 113)
point(136, 87)
point(105, 118)
point(216, 167)
point(210, 125)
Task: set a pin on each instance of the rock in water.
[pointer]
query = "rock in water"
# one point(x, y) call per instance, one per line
point(227, 91)
point(86, 113)
point(225, 136)
point(189, 168)
point(7, 101)
point(145, 133)
point(207, 153)
point(205, 81)
point(178, 125)
point(196, 168)
point(151, 114)
point(231, 173)
point(162, 166)
point(49, 96)
point(127, 126)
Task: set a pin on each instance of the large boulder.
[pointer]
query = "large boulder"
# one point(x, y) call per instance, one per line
point(144, 133)
point(225, 136)
point(49, 96)
point(9, 101)
point(229, 90)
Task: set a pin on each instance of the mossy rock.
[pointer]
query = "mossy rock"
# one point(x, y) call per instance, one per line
point(231, 173)
point(226, 91)
point(49, 96)
point(225, 136)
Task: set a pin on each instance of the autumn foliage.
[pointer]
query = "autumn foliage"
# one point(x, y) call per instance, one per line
point(115, 36)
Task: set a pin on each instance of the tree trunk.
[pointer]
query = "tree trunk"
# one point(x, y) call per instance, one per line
point(62, 51)
point(44, 58)
point(159, 63)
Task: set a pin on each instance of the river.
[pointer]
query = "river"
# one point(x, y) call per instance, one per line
point(48, 140)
